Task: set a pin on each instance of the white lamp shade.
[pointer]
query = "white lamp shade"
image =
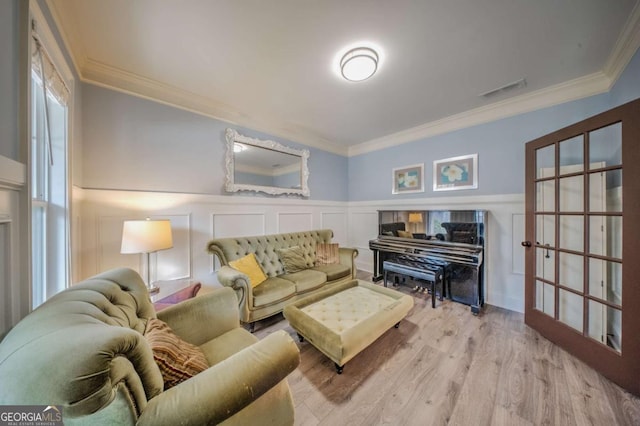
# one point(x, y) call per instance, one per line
point(146, 236)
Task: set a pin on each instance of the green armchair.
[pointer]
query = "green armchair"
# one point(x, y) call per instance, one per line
point(84, 350)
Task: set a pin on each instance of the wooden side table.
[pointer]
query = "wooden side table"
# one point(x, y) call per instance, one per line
point(174, 291)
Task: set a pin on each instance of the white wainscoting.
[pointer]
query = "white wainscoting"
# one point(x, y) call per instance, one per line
point(338, 222)
point(504, 283)
point(294, 222)
point(198, 218)
point(14, 287)
point(195, 219)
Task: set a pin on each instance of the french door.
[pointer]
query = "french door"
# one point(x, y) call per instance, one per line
point(582, 222)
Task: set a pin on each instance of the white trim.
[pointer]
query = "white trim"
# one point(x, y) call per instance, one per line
point(103, 75)
point(442, 203)
point(626, 46)
point(12, 174)
point(141, 200)
point(161, 200)
point(51, 45)
point(578, 88)
point(99, 74)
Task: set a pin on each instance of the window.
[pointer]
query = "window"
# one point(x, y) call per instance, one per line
point(48, 178)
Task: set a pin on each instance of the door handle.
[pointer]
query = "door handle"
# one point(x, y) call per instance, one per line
point(526, 244)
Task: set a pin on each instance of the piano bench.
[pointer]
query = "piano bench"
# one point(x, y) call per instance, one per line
point(432, 275)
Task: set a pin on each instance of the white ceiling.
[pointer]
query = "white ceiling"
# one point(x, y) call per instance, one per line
point(269, 65)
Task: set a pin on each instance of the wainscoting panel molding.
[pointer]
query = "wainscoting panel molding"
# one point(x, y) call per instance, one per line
point(208, 216)
point(294, 222)
point(237, 224)
point(5, 278)
point(503, 287)
point(195, 219)
point(175, 263)
point(363, 226)
point(517, 251)
point(15, 293)
point(339, 223)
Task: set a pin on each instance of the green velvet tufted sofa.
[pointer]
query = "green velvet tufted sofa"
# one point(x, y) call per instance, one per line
point(84, 350)
point(280, 288)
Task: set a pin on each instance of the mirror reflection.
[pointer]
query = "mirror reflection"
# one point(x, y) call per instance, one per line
point(254, 165)
point(459, 226)
point(265, 166)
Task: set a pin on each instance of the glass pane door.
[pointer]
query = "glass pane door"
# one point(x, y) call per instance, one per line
point(584, 290)
point(583, 215)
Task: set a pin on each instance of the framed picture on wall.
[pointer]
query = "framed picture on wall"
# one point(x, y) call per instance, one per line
point(408, 179)
point(456, 173)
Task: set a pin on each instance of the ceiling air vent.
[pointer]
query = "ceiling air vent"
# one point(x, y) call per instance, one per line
point(515, 85)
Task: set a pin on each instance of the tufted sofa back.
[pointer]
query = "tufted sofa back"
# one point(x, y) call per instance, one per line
point(265, 246)
point(83, 348)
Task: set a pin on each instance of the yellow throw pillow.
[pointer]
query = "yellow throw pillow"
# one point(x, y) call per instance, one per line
point(249, 266)
point(405, 234)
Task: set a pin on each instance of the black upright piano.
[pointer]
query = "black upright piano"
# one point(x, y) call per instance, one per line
point(453, 238)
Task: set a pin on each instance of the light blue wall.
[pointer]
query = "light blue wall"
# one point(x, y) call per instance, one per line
point(627, 88)
point(136, 144)
point(9, 46)
point(499, 144)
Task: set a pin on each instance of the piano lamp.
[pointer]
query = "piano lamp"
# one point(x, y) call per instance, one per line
point(415, 218)
point(146, 237)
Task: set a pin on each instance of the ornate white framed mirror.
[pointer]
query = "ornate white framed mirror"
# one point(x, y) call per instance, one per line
point(265, 166)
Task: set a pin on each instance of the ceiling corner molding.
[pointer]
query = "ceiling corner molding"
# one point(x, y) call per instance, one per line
point(626, 46)
point(100, 74)
point(582, 87)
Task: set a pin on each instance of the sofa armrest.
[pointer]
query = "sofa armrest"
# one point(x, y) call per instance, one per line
point(229, 277)
point(227, 387)
point(348, 258)
point(203, 318)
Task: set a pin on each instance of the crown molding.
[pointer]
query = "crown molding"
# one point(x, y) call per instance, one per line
point(476, 201)
point(578, 88)
point(100, 74)
point(626, 46)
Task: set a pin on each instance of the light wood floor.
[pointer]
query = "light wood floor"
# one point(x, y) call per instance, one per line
point(446, 366)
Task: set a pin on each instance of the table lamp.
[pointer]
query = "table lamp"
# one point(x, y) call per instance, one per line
point(415, 218)
point(146, 237)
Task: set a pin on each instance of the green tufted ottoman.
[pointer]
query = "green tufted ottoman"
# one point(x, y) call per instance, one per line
point(343, 320)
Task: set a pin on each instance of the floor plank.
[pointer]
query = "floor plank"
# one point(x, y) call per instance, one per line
point(445, 366)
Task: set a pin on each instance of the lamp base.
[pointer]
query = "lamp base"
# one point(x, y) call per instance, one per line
point(152, 289)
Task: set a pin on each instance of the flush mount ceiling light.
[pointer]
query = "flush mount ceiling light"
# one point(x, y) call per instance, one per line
point(359, 64)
